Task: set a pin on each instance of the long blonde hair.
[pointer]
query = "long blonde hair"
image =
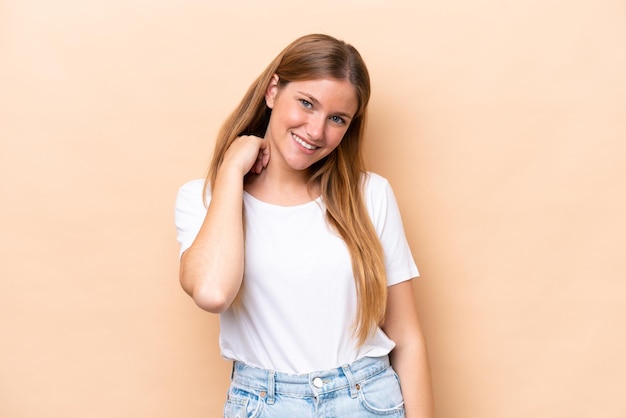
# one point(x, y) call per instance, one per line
point(340, 174)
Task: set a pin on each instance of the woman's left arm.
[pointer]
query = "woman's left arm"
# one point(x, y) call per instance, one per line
point(409, 358)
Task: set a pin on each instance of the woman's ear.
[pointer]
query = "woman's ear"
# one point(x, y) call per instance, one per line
point(271, 91)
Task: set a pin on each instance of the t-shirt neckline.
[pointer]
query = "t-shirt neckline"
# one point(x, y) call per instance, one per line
point(249, 197)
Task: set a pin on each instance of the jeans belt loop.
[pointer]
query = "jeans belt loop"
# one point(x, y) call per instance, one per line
point(271, 387)
point(350, 377)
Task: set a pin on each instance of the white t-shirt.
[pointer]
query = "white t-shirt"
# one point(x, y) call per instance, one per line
point(298, 298)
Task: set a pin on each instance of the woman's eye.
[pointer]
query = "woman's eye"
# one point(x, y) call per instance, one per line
point(306, 103)
point(337, 119)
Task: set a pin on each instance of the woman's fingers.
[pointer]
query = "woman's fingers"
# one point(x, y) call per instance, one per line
point(248, 153)
point(263, 157)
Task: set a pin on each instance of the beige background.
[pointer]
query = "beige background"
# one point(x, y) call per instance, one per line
point(501, 126)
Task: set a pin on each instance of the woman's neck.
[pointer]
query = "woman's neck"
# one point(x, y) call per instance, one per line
point(281, 187)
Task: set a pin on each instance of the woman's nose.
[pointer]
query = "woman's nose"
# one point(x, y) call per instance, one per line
point(315, 126)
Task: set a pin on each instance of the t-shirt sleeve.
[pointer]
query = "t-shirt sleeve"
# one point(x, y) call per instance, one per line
point(383, 209)
point(189, 213)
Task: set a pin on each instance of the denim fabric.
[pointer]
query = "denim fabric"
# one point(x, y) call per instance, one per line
point(368, 387)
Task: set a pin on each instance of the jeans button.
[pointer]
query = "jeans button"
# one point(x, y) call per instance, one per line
point(317, 382)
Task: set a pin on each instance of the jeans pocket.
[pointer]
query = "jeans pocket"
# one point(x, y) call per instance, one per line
point(381, 394)
point(242, 403)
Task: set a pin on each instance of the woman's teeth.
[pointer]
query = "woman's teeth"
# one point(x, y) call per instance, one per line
point(304, 144)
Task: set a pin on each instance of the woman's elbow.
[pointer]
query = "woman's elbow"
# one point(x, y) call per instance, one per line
point(211, 301)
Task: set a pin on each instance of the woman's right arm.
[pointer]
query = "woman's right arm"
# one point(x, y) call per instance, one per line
point(211, 270)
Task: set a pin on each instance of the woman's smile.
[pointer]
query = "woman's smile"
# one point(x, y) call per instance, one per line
point(303, 143)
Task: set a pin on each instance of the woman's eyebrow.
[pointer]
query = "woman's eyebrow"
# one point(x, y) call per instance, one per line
point(308, 96)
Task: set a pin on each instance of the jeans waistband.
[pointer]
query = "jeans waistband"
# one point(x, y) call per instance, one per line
point(310, 384)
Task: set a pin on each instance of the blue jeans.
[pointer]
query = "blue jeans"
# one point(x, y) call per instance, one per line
point(369, 387)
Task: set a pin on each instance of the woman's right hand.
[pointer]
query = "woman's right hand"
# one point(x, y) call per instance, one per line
point(248, 154)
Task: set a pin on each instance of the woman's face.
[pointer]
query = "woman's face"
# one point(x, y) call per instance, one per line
point(308, 120)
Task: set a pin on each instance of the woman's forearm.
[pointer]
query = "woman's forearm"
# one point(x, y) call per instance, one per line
point(409, 358)
point(411, 364)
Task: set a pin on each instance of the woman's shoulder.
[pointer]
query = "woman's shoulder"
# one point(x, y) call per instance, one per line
point(377, 193)
point(190, 193)
point(193, 186)
point(374, 182)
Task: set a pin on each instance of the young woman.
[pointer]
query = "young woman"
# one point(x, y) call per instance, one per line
point(301, 250)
